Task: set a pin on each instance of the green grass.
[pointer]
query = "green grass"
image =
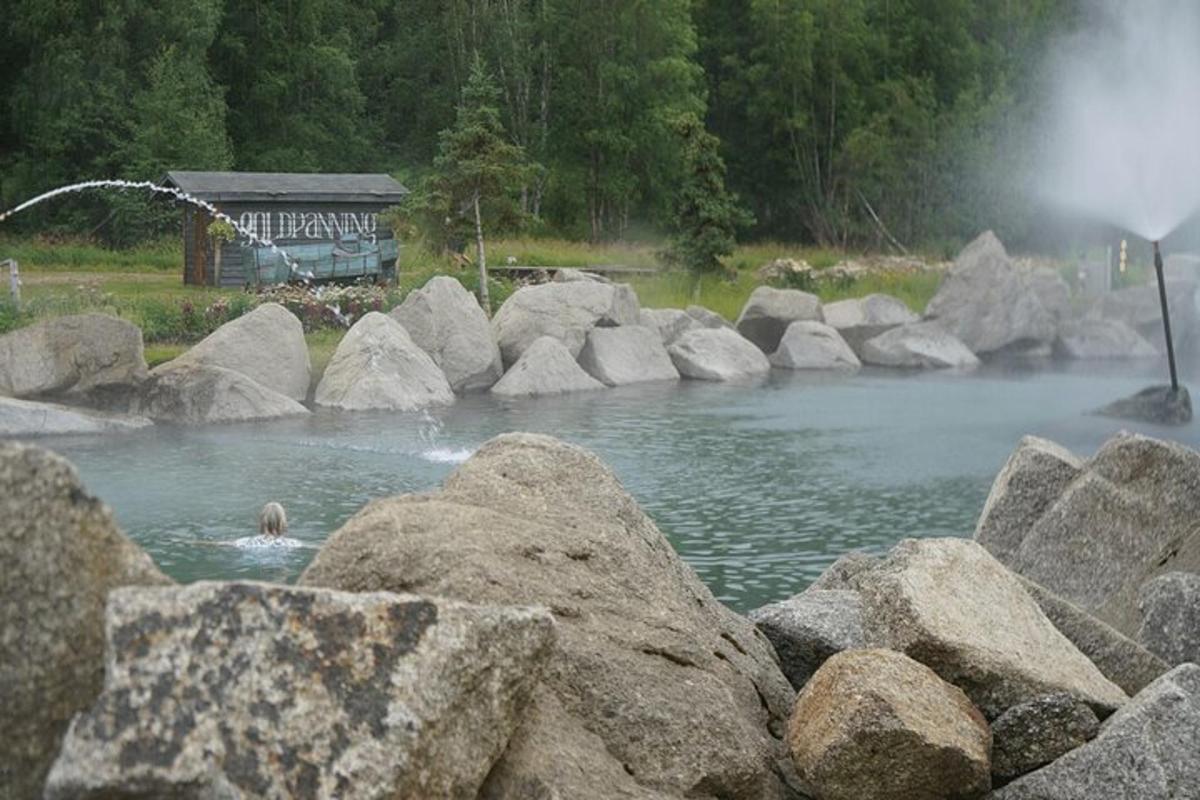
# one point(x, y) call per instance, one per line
point(81, 256)
point(564, 253)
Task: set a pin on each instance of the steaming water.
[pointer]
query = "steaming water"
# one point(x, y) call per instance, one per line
point(178, 194)
point(759, 489)
point(1124, 124)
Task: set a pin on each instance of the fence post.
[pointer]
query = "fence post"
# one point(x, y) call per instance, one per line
point(14, 281)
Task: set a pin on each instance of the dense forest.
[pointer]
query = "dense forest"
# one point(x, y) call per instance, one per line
point(840, 122)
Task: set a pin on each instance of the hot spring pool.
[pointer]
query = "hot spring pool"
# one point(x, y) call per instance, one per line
point(758, 488)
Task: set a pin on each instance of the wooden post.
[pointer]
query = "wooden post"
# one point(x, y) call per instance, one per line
point(484, 299)
point(14, 282)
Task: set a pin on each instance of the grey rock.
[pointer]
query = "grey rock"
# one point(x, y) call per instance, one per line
point(1146, 751)
point(566, 311)
point(813, 345)
point(952, 606)
point(1122, 660)
point(1129, 516)
point(545, 368)
point(193, 394)
point(1170, 606)
point(807, 629)
point(83, 356)
point(1032, 479)
point(863, 318)
point(60, 555)
point(568, 275)
point(1140, 308)
point(266, 345)
point(446, 321)
point(669, 322)
point(920, 344)
point(843, 572)
point(768, 313)
point(377, 365)
point(1034, 733)
point(718, 354)
point(1102, 338)
point(1159, 405)
point(651, 676)
point(877, 725)
point(708, 318)
point(989, 304)
point(29, 418)
point(631, 354)
point(254, 690)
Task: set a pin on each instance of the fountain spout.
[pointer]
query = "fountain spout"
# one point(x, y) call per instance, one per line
point(1166, 315)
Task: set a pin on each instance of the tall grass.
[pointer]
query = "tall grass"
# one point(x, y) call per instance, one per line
point(73, 255)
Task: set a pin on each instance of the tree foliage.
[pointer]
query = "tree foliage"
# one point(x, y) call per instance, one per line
point(830, 115)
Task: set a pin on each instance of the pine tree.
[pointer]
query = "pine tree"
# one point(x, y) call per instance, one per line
point(477, 165)
point(707, 215)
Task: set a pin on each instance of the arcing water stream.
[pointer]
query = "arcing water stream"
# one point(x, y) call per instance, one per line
point(178, 194)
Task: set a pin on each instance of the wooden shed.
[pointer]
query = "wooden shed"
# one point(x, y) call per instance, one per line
point(327, 223)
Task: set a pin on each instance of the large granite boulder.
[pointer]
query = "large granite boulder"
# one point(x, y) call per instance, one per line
point(707, 317)
point(989, 304)
point(29, 418)
point(1122, 660)
point(655, 689)
point(1146, 751)
point(1140, 308)
point(266, 345)
point(545, 368)
point(255, 690)
point(193, 394)
point(1033, 734)
point(953, 607)
point(1170, 606)
point(378, 366)
point(669, 322)
point(813, 345)
point(842, 573)
point(1163, 404)
point(446, 321)
point(920, 344)
point(768, 313)
point(61, 554)
point(87, 357)
point(1034, 476)
point(1129, 516)
point(807, 629)
point(876, 725)
point(566, 311)
point(718, 354)
point(1102, 338)
point(863, 318)
point(631, 354)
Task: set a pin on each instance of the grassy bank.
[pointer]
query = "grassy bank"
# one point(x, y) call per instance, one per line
point(144, 285)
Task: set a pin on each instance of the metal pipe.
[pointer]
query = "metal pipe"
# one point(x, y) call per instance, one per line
point(1166, 315)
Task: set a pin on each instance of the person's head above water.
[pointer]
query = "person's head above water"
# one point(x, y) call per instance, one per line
point(272, 520)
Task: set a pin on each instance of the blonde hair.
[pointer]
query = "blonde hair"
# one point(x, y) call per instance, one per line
point(272, 520)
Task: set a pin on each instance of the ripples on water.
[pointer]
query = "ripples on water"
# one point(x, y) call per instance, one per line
point(758, 488)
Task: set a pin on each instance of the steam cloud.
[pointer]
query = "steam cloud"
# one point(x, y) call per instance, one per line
point(1124, 123)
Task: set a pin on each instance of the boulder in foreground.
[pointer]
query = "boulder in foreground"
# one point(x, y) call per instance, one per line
point(445, 321)
point(655, 689)
point(630, 354)
point(807, 629)
point(920, 344)
point(378, 366)
point(193, 394)
point(545, 368)
point(257, 690)
point(876, 725)
point(1034, 733)
point(863, 318)
point(953, 607)
point(29, 418)
point(768, 313)
point(718, 354)
point(87, 356)
point(1146, 751)
point(266, 345)
point(60, 555)
point(1170, 606)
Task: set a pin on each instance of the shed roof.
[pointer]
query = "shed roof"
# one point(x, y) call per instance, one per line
point(293, 186)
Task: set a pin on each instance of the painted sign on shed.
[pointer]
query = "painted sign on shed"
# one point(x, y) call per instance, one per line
point(328, 224)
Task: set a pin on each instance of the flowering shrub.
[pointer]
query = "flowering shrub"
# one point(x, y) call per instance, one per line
point(329, 306)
